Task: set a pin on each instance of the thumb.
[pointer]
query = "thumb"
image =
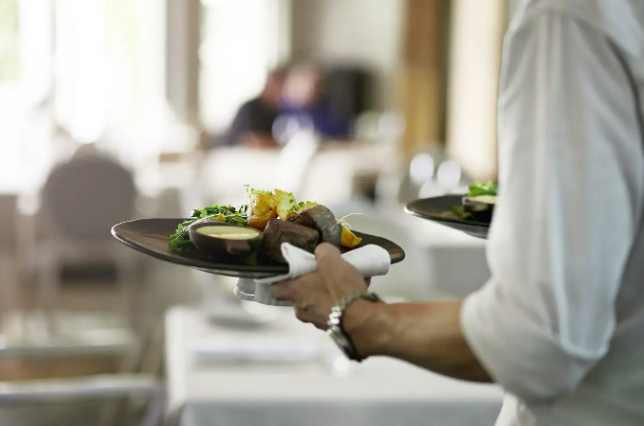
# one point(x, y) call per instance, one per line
point(327, 255)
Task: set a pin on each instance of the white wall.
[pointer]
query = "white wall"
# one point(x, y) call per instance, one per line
point(363, 31)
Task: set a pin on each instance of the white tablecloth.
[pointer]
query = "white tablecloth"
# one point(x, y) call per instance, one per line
point(379, 391)
point(333, 174)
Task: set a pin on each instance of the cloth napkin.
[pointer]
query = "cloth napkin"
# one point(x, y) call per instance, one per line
point(370, 260)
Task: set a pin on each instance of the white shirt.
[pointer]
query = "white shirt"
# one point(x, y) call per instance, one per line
point(560, 324)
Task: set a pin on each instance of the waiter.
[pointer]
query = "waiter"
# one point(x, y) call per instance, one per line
point(560, 323)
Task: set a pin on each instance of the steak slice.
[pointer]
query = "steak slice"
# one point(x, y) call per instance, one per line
point(322, 219)
point(279, 231)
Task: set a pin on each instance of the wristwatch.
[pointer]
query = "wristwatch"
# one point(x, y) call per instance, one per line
point(334, 323)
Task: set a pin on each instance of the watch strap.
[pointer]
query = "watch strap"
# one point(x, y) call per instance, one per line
point(335, 320)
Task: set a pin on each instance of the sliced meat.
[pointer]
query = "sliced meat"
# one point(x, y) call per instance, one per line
point(322, 219)
point(279, 231)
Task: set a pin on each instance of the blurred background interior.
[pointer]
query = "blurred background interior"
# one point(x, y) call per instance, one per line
point(114, 109)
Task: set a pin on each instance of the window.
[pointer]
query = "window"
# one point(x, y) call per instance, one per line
point(94, 68)
point(109, 82)
point(25, 65)
point(9, 59)
point(241, 40)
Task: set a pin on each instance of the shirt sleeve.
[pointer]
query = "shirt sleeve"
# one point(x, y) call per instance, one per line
point(571, 193)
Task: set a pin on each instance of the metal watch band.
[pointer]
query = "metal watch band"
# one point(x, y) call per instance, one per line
point(336, 330)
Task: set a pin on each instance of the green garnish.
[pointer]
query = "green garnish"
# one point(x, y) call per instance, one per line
point(482, 188)
point(300, 206)
point(461, 213)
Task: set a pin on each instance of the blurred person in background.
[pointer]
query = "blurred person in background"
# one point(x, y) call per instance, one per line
point(253, 123)
point(560, 322)
point(304, 103)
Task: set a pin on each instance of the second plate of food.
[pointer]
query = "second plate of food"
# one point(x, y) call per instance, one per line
point(446, 210)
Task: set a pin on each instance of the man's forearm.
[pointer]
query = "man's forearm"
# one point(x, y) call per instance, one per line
point(426, 334)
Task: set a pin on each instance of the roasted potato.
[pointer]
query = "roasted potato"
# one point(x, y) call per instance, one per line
point(347, 238)
point(262, 208)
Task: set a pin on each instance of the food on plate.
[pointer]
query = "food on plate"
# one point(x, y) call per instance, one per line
point(281, 231)
point(489, 200)
point(274, 217)
point(478, 204)
point(222, 239)
point(179, 241)
point(482, 188)
point(228, 232)
point(321, 218)
point(348, 238)
point(263, 205)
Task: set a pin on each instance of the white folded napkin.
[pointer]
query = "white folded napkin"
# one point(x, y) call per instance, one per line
point(370, 260)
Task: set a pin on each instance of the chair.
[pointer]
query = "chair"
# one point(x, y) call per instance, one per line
point(22, 397)
point(8, 250)
point(74, 400)
point(81, 200)
point(86, 195)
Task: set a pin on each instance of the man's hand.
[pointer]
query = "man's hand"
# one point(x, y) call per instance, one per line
point(426, 334)
point(314, 294)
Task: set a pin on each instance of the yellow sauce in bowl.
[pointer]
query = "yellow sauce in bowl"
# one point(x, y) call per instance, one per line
point(229, 232)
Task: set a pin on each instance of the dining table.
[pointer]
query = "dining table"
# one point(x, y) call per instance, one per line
point(246, 364)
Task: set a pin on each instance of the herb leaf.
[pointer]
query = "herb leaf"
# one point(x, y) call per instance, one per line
point(482, 188)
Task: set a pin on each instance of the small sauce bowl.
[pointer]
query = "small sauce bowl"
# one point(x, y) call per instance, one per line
point(223, 239)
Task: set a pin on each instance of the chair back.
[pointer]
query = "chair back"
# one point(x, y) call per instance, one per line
point(8, 222)
point(84, 197)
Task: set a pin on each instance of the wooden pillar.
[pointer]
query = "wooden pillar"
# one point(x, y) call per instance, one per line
point(421, 77)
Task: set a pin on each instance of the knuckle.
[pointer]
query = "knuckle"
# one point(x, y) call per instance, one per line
point(300, 315)
point(320, 326)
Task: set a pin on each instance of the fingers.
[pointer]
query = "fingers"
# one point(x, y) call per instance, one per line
point(302, 314)
point(290, 290)
point(308, 296)
point(327, 253)
point(338, 275)
point(309, 313)
point(284, 291)
point(329, 260)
